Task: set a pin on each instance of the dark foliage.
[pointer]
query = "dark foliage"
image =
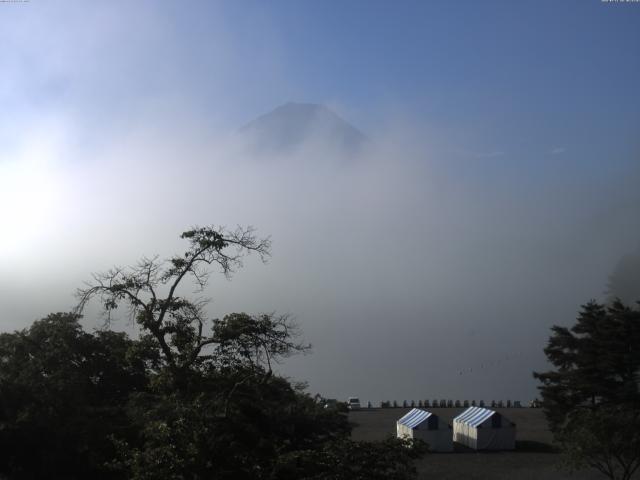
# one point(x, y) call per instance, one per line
point(592, 398)
point(62, 393)
point(606, 439)
point(192, 398)
point(391, 459)
point(79, 405)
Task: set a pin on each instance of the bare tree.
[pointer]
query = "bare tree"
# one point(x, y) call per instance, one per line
point(150, 291)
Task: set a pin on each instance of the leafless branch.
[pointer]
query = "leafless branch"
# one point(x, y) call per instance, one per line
point(177, 323)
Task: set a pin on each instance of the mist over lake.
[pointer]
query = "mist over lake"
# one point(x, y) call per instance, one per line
point(433, 211)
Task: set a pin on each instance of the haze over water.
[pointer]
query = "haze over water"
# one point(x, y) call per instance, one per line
point(450, 181)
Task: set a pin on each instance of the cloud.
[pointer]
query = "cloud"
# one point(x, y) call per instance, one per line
point(389, 262)
point(557, 150)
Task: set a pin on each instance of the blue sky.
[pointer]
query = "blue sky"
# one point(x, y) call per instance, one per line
point(504, 172)
point(526, 73)
point(532, 72)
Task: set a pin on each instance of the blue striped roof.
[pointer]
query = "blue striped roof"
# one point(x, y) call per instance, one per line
point(414, 418)
point(474, 416)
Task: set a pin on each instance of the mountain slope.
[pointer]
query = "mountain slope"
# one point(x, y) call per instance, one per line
point(294, 124)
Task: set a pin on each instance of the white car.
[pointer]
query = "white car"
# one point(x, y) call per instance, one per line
point(353, 403)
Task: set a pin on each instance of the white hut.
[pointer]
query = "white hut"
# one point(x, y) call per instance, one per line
point(426, 426)
point(484, 429)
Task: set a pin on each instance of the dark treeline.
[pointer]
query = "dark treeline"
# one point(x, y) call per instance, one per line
point(197, 398)
point(191, 398)
point(592, 396)
point(101, 405)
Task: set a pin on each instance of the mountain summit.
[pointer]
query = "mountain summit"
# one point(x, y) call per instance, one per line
point(293, 124)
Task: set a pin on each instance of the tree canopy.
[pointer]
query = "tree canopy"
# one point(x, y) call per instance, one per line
point(62, 392)
point(592, 397)
point(150, 290)
point(189, 398)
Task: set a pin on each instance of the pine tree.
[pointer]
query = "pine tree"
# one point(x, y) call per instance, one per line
point(595, 388)
point(597, 361)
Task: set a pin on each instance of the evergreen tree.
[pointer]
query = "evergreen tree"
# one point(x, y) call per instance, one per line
point(593, 397)
point(597, 361)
